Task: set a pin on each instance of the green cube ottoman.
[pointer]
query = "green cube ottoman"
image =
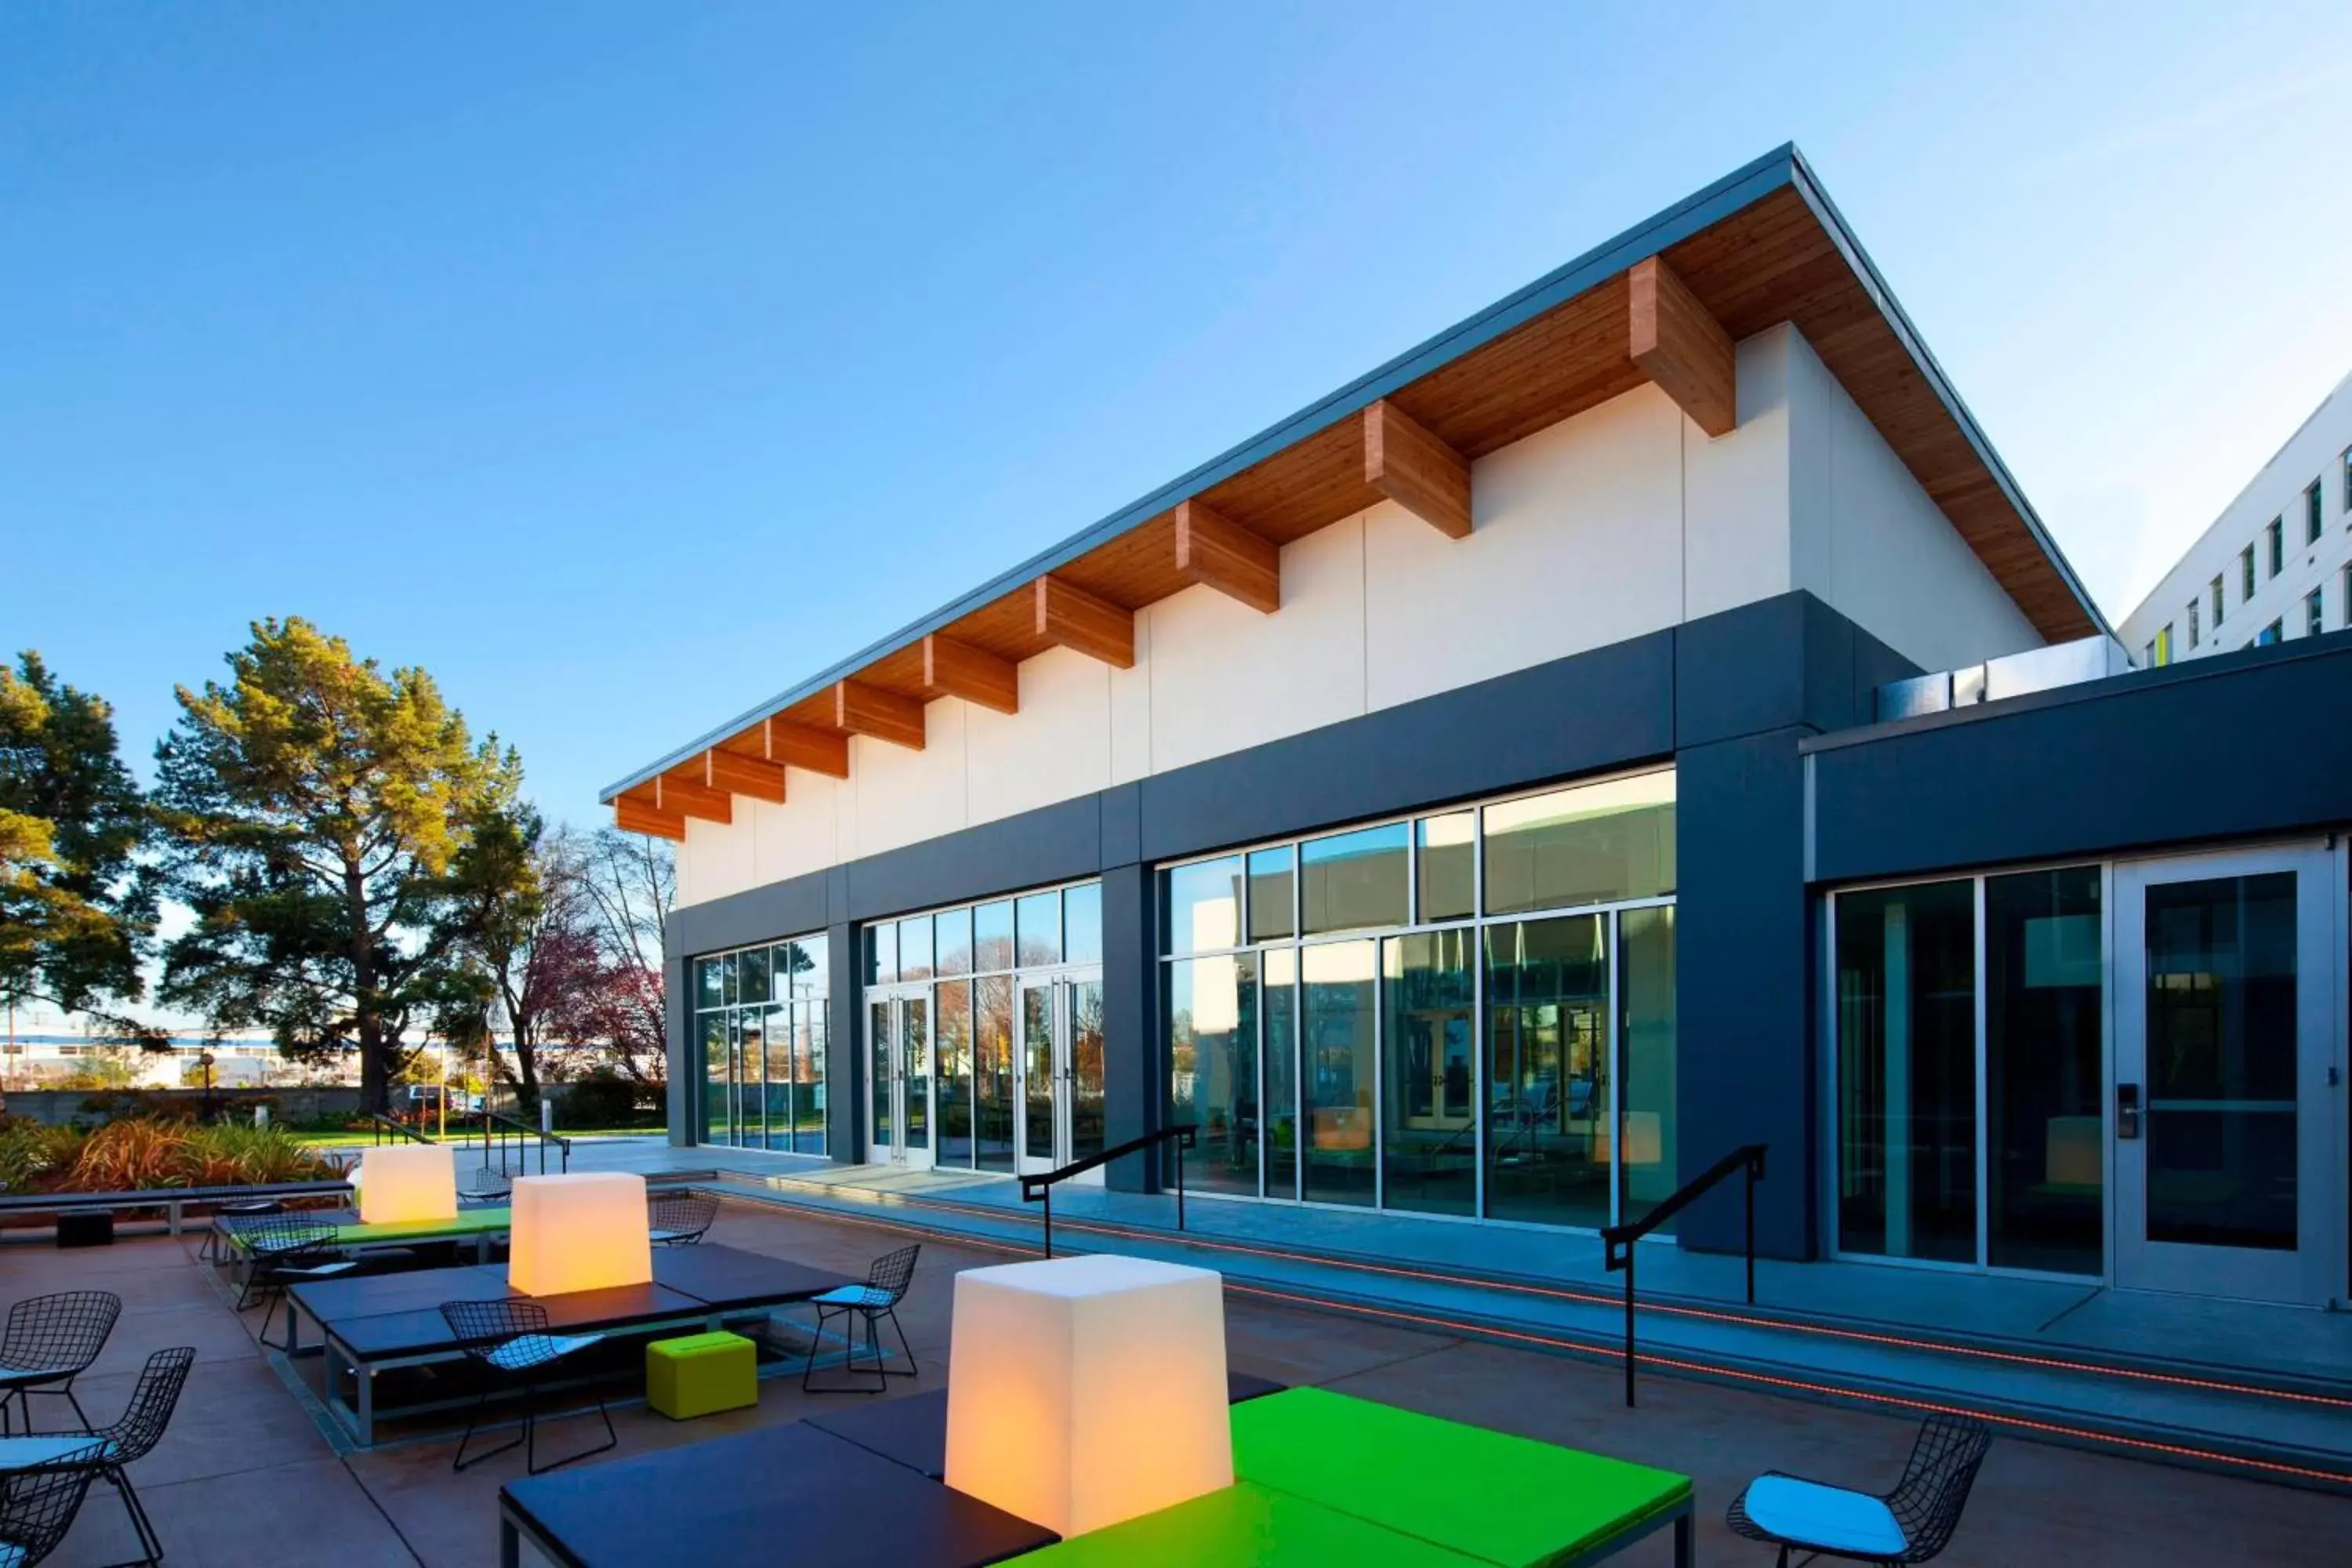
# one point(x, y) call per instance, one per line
point(1244, 1526)
point(702, 1375)
point(1506, 1500)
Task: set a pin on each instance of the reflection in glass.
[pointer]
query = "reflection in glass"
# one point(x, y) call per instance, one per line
point(2221, 1047)
point(709, 989)
point(954, 943)
point(915, 1050)
point(992, 938)
point(808, 1092)
point(1038, 1074)
point(881, 954)
point(809, 977)
point(1271, 916)
point(1547, 1088)
point(992, 1072)
point(1447, 846)
point(751, 976)
point(1201, 906)
point(1280, 1004)
point(915, 948)
point(1592, 844)
point(1212, 1057)
point(727, 971)
point(1907, 1071)
point(1338, 1002)
point(952, 1002)
point(1645, 1080)
point(1355, 881)
point(2045, 1136)
point(715, 1079)
point(879, 1051)
point(1086, 1069)
point(1037, 929)
point(1082, 924)
point(776, 1081)
point(1429, 1136)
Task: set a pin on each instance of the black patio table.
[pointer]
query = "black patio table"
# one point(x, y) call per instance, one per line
point(391, 1323)
point(754, 1498)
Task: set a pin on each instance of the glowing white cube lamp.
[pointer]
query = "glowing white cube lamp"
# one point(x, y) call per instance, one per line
point(407, 1181)
point(582, 1232)
point(1086, 1390)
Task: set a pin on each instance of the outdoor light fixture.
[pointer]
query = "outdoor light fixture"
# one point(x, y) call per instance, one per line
point(1089, 1390)
point(407, 1181)
point(582, 1232)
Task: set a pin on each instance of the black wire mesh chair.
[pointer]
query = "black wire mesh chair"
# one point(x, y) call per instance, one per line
point(487, 1187)
point(680, 1219)
point(1925, 1505)
point(226, 1220)
point(38, 1502)
point(510, 1342)
point(136, 1432)
point(282, 1250)
point(51, 1339)
point(878, 1298)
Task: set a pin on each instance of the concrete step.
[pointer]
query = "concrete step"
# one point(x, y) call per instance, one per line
point(2162, 1411)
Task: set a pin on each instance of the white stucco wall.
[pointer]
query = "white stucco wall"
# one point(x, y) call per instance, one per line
point(1622, 521)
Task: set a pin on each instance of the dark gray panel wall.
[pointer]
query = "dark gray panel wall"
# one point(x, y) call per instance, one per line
point(2236, 746)
point(1133, 1068)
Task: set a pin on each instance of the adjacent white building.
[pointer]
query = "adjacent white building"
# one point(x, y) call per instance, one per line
point(2276, 563)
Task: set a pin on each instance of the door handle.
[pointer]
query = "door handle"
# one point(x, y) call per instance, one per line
point(2127, 1110)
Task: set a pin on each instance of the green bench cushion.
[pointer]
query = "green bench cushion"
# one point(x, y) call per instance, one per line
point(718, 1342)
point(468, 1222)
point(1503, 1500)
point(1246, 1526)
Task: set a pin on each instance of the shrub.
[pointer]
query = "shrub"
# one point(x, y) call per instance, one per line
point(602, 1098)
point(136, 1153)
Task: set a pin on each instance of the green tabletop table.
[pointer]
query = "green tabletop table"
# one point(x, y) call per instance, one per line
point(476, 1223)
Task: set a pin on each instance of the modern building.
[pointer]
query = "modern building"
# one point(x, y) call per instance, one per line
point(2276, 563)
point(1468, 799)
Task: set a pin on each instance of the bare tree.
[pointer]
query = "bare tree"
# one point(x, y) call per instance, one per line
point(626, 884)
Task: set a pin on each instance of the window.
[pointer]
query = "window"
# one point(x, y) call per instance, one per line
point(2346, 477)
point(2311, 524)
point(1470, 1013)
point(2217, 602)
point(2343, 595)
point(2276, 535)
point(2245, 573)
point(2192, 623)
point(2163, 643)
point(2313, 621)
point(2147, 654)
point(760, 1019)
point(2269, 634)
point(2044, 1139)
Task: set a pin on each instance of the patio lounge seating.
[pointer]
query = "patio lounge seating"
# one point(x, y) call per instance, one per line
point(878, 1298)
point(680, 1219)
point(225, 1221)
point(486, 1186)
point(38, 1502)
point(1912, 1523)
point(133, 1435)
point(51, 1339)
point(508, 1341)
point(282, 1250)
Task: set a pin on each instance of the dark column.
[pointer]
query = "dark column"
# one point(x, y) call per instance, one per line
point(684, 1055)
point(844, 1055)
point(1745, 1059)
point(1134, 1082)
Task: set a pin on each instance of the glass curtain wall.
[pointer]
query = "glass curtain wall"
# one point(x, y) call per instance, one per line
point(759, 1022)
point(1404, 1015)
point(973, 958)
point(1971, 1076)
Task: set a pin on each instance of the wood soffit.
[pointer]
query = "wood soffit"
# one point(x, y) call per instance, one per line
point(1669, 319)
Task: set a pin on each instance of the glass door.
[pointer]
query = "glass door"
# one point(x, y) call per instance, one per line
point(899, 1050)
point(1059, 1052)
point(2225, 1110)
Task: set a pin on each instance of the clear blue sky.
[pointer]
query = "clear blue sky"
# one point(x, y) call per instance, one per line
point(624, 363)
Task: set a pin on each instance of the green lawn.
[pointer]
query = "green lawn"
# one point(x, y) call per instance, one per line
point(361, 1139)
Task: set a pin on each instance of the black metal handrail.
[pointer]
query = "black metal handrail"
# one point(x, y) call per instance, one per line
point(401, 1129)
point(509, 1134)
point(1617, 1241)
point(1038, 1187)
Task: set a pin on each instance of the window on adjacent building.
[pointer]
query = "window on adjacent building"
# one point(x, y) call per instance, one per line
point(2343, 595)
point(2147, 654)
point(2311, 524)
point(2217, 602)
point(2245, 573)
point(2163, 643)
point(2192, 623)
point(2347, 479)
point(2313, 621)
point(2269, 634)
point(2277, 537)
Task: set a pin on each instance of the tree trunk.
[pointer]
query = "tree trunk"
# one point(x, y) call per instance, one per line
point(375, 1067)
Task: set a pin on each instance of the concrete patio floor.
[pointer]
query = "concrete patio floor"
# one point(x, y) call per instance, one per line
point(247, 1475)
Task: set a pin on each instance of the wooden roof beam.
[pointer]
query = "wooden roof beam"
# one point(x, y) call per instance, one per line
point(687, 798)
point(1071, 617)
point(1682, 347)
point(1415, 469)
point(1213, 550)
point(864, 710)
point(951, 668)
point(806, 747)
point(633, 815)
point(740, 774)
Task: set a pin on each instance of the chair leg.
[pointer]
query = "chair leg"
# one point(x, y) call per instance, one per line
point(881, 1362)
point(79, 1413)
point(816, 1338)
point(459, 1461)
point(612, 1439)
point(900, 1329)
point(147, 1542)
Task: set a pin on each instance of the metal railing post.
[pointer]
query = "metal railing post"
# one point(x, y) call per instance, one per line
point(1629, 1326)
point(1751, 1233)
point(1179, 1183)
point(1049, 1219)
